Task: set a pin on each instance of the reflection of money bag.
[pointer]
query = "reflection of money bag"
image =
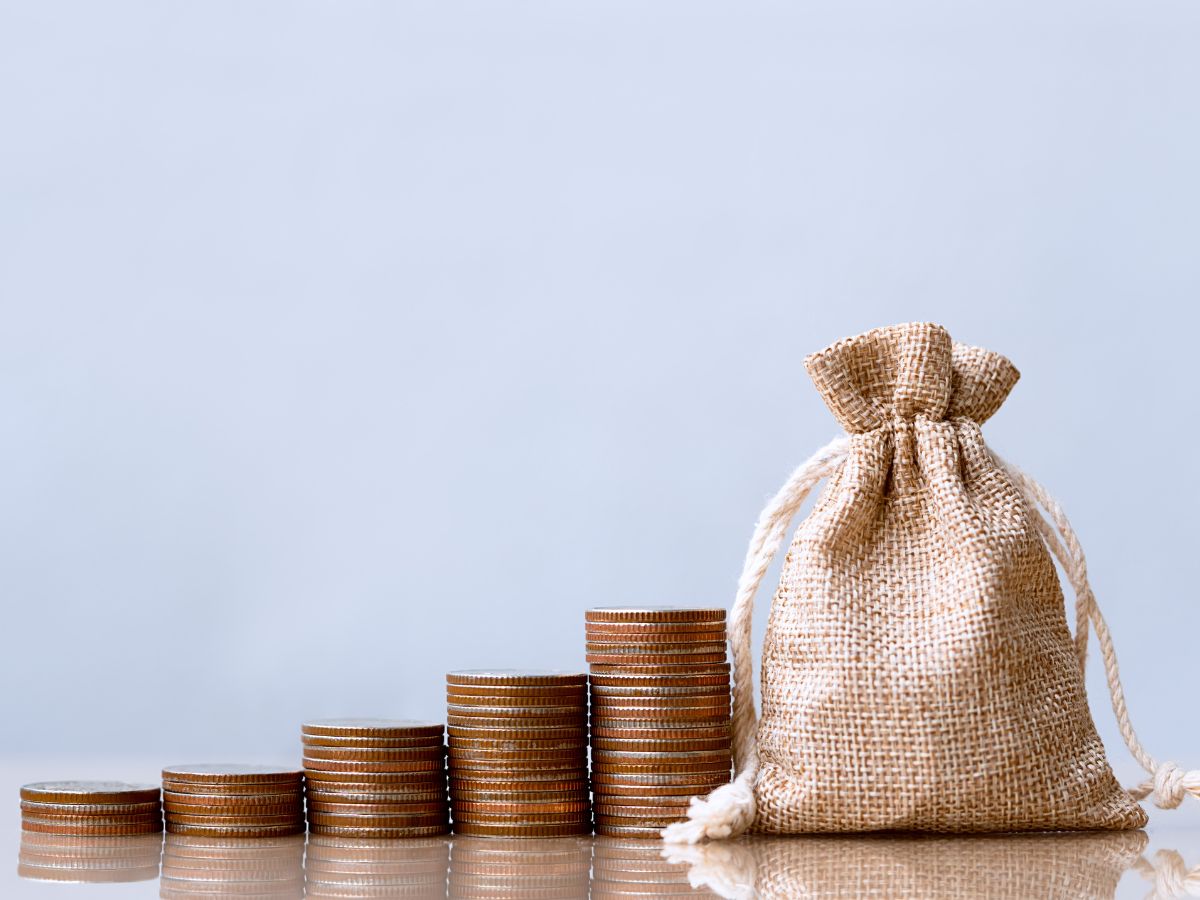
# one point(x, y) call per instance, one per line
point(918, 672)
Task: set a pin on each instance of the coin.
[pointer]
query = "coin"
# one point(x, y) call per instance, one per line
point(693, 670)
point(232, 801)
point(431, 794)
point(486, 796)
point(373, 832)
point(49, 826)
point(232, 773)
point(371, 743)
point(659, 768)
point(91, 792)
point(387, 766)
point(656, 821)
point(534, 726)
point(661, 746)
point(339, 781)
point(636, 810)
point(464, 711)
point(389, 755)
point(43, 809)
point(531, 807)
point(652, 832)
point(540, 701)
point(546, 818)
point(716, 701)
point(656, 630)
point(694, 716)
point(648, 691)
point(577, 744)
point(420, 820)
point(515, 677)
point(377, 728)
point(237, 832)
point(489, 830)
point(509, 783)
point(625, 660)
point(69, 819)
point(711, 732)
point(659, 649)
point(657, 614)
point(630, 679)
point(517, 690)
point(702, 781)
point(395, 809)
point(539, 754)
point(230, 790)
point(238, 821)
point(176, 810)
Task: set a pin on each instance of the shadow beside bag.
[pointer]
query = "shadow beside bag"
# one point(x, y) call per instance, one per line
point(918, 672)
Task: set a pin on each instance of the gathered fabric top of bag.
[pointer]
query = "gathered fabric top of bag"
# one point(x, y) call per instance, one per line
point(918, 671)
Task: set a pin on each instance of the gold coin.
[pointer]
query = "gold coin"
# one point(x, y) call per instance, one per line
point(656, 614)
point(231, 773)
point(372, 728)
point(374, 832)
point(388, 766)
point(522, 830)
point(89, 792)
point(515, 677)
point(390, 755)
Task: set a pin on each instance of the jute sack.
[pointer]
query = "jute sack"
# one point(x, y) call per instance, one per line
point(918, 672)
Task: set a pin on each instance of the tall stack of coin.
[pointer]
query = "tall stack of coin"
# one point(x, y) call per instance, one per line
point(93, 808)
point(498, 869)
point(376, 867)
point(89, 860)
point(376, 778)
point(660, 713)
point(233, 800)
point(518, 753)
point(267, 868)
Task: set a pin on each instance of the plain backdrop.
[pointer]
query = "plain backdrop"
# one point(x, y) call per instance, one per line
point(346, 343)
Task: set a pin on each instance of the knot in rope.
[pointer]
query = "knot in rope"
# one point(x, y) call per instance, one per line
point(1169, 789)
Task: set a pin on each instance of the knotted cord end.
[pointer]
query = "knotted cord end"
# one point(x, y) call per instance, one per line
point(1169, 786)
point(726, 812)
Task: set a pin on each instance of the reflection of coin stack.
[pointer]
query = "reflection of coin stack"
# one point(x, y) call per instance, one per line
point(555, 869)
point(233, 800)
point(518, 753)
point(216, 866)
point(634, 868)
point(92, 808)
point(371, 867)
point(58, 857)
point(660, 714)
point(376, 778)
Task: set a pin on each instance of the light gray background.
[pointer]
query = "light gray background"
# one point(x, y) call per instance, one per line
point(345, 343)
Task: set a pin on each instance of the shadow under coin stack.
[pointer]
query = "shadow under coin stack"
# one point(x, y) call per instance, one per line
point(195, 867)
point(375, 867)
point(518, 753)
point(228, 800)
point(92, 808)
point(89, 860)
point(376, 778)
point(660, 714)
point(491, 869)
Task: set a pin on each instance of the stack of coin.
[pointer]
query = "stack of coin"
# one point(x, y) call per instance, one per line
point(376, 778)
point(629, 867)
point(660, 714)
point(233, 800)
point(89, 860)
point(518, 753)
point(93, 808)
point(376, 867)
point(498, 869)
point(195, 867)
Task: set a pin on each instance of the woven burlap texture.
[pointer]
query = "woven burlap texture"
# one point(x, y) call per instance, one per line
point(918, 672)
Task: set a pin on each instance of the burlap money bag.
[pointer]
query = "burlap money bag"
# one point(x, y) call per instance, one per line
point(918, 672)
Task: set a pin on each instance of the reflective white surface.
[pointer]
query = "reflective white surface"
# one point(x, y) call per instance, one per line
point(1155, 862)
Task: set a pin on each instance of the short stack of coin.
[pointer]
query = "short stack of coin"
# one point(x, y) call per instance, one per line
point(89, 860)
point(233, 800)
point(93, 808)
point(660, 721)
point(266, 868)
point(376, 778)
point(376, 867)
point(518, 753)
point(520, 869)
